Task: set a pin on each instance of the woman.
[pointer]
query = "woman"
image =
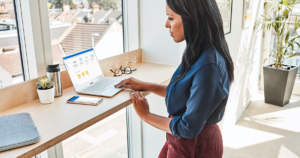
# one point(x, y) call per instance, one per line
point(197, 94)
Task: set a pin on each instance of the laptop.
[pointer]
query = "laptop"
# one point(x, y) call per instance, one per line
point(87, 76)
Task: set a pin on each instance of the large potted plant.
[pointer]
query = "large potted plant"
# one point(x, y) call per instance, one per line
point(279, 78)
point(45, 89)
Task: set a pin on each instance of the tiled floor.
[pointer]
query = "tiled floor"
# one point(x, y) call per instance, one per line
point(106, 139)
point(265, 131)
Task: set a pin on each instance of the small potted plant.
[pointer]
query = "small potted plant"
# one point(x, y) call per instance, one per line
point(45, 89)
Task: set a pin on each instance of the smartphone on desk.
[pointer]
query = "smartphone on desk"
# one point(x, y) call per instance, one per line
point(85, 100)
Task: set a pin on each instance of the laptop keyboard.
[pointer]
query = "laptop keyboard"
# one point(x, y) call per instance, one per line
point(101, 86)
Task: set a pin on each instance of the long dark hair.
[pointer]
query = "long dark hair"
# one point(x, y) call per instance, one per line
point(203, 26)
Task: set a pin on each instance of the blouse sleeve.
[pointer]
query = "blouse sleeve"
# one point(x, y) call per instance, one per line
point(206, 94)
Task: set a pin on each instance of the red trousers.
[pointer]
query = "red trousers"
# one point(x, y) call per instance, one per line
point(208, 144)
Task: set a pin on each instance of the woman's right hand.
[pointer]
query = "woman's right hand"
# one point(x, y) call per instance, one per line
point(132, 83)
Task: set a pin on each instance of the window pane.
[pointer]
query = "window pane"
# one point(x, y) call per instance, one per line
point(296, 59)
point(105, 139)
point(10, 59)
point(225, 10)
point(72, 24)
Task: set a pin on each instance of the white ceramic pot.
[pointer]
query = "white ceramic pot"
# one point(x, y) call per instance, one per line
point(46, 96)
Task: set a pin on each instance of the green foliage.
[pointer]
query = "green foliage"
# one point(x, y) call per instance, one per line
point(105, 4)
point(70, 3)
point(280, 24)
point(49, 5)
point(60, 3)
point(44, 83)
point(65, 1)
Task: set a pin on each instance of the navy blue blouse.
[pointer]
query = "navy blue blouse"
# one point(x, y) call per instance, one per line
point(200, 97)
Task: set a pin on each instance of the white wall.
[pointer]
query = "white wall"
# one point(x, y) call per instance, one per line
point(5, 77)
point(158, 47)
point(155, 40)
point(245, 48)
point(111, 43)
point(153, 138)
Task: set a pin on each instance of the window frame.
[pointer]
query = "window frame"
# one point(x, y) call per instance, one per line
point(23, 56)
point(35, 50)
point(35, 45)
point(34, 36)
point(131, 37)
point(229, 32)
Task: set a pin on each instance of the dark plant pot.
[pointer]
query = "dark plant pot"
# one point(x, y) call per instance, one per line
point(279, 84)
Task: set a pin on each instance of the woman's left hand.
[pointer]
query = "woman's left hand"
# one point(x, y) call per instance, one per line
point(140, 104)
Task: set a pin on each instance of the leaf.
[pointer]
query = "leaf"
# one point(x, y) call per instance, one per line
point(293, 55)
point(291, 45)
point(297, 44)
point(285, 2)
point(293, 39)
point(287, 37)
point(285, 13)
point(296, 24)
point(265, 60)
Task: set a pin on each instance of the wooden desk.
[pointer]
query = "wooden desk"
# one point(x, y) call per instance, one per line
point(59, 121)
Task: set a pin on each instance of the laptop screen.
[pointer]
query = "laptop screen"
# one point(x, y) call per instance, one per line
point(82, 67)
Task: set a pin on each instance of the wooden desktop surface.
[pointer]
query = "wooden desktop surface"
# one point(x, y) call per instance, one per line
point(59, 120)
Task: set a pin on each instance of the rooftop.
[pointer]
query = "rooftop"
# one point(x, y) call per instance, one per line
point(11, 62)
point(79, 38)
point(106, 15)
point(73, 15)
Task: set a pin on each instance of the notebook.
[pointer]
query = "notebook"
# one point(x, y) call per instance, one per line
point(17, 130)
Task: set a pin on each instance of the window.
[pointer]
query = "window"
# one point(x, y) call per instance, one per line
point(11, 69)
point(296, 59)
point(225, 7)
point(78, 25)
point(105, 139)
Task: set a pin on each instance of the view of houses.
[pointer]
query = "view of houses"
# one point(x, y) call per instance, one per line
point(71, 24)
point(10, 62)
point(71, 27)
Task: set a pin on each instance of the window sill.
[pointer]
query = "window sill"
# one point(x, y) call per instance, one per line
point(59, 120)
